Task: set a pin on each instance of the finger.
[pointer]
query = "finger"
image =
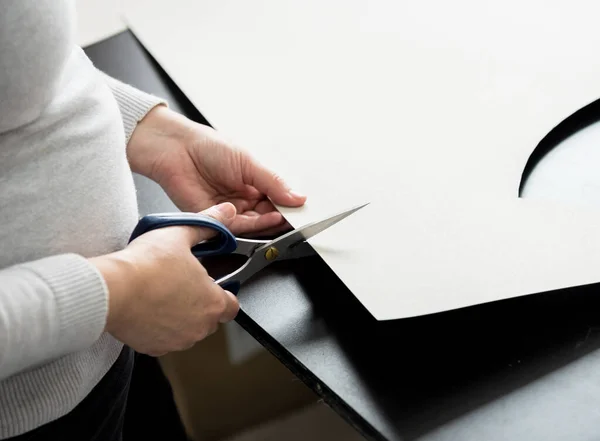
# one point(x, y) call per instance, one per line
point(243, 203)
point(274, 231)
point(250, 224)
point(224, 213)
point(270, 184)
point(251, 192)
point(250, 213)
point(232, 308)
point(264, 206)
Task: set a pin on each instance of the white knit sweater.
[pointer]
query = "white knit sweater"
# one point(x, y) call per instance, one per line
point(66, 193)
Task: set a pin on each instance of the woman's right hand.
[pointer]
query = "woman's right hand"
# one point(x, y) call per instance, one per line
point(161, 299)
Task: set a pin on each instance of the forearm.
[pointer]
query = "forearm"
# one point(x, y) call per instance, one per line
point(49, 308)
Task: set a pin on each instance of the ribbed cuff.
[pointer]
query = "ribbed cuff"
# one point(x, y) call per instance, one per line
point(81, 298)
point(133, 103)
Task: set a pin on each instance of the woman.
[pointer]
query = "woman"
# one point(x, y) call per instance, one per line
point(75, 299)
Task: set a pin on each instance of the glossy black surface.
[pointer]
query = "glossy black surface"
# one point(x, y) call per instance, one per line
point(394, 380)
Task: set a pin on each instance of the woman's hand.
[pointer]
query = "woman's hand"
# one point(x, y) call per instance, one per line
point(161, 298)
point(198, 168)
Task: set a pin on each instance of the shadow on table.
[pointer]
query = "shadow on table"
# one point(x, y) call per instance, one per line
point(429, 370)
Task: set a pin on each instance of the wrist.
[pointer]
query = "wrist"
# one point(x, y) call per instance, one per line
point(160, 131)
point(123, 283)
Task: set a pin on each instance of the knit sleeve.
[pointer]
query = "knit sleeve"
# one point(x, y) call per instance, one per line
point(49, 308)
point(133, 103)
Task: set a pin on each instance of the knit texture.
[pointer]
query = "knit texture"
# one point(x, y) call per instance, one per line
point(133, 104)
point(66, 194)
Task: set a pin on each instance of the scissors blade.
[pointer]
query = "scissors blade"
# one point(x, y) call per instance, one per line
point(286, 242)
point(290, 245)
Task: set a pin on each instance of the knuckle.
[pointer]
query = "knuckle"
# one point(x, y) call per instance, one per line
point(207, 330)
point(277, 178)
point(222, 302)
point(155, 353)
point(202, 334)
point(217, 299)
point(186, 345)
point(201, 271)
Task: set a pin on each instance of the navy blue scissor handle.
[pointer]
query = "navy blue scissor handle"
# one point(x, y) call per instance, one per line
point(223, 243)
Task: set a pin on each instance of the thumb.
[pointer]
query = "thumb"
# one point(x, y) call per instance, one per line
point(224, 213)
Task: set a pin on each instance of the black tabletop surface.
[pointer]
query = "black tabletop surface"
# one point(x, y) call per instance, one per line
point(485, 372)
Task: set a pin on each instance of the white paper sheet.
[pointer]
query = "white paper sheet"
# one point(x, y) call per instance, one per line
point(429, 110)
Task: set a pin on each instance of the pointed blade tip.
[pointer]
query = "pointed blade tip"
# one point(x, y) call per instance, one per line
point(350, 211)
point(358, 207)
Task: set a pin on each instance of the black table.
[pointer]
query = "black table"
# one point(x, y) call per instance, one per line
point(525, 368)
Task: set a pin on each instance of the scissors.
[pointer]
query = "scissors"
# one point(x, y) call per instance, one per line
point(260, 253)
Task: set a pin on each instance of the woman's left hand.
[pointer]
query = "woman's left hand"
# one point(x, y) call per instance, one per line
point(198, 168)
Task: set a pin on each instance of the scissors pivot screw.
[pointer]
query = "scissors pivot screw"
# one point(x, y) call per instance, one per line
point(271, 254)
